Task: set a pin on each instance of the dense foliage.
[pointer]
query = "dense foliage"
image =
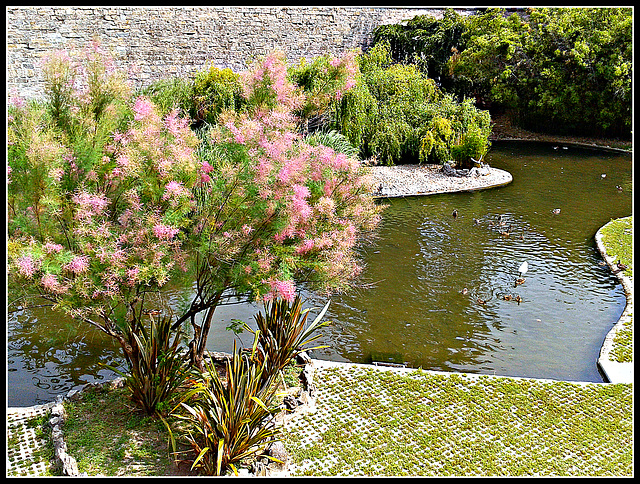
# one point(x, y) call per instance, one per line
point(228, 418)
point(562, 70)
point(397, 115)
point(110, 199)
point(426, 42)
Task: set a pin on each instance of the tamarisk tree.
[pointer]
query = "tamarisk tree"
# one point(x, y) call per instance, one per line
point(273, 210)
point(110, 200)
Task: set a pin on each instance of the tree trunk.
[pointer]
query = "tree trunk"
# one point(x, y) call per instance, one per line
point(198, 344)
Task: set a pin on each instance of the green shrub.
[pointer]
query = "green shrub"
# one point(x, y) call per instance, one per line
point(168, 94)
point(334, 140)
point(228, 418)
point(426, 42)
point(398, 115)
point(566, 70)
point(282, 335)
point(214, 91)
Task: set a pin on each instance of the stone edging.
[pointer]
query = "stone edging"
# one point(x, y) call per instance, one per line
point(615, 372)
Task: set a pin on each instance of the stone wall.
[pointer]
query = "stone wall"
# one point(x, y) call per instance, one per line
point(155, 42)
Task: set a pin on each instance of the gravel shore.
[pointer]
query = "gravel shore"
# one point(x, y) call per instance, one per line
point(409, 180)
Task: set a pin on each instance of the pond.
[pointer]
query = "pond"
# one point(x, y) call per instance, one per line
point(417, 312)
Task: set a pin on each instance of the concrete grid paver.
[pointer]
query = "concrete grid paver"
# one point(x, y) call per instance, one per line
point(23, 442)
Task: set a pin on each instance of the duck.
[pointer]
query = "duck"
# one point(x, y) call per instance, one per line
point(455, 214)
point(464, 290)
point(524, 267)
point(507, 297)
point(519, 281)
point(518, 299)
point(481, 301)
point(476, 221)
point(619, 188)
point(501, 220)
point(621, 266)
point(556, 211)
point(506, 233)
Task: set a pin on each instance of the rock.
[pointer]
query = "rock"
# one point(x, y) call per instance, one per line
point(448, 170)
point(303, 358)
point(278, 451)
point(74, 395)
point(290, 402)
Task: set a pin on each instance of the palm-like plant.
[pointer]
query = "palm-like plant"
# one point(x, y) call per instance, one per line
point(156, 367)
point(282, 334)
point(228, 421)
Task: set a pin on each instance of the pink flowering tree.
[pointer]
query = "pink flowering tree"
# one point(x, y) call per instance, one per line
point(99, 195)
point(110, 205)
point(273, 211)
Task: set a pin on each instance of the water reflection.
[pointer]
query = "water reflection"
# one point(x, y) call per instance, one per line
point(48, 354)
point(424, 258)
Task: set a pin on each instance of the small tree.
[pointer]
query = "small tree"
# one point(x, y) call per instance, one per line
point(99, 199)
point(108, 201)
point(272, 209)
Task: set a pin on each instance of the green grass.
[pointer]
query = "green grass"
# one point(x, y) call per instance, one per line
point(107, 436)
point(622, 351)
point(617, 238)
point(381, 423)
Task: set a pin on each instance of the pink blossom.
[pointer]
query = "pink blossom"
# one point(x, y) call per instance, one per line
point(89, 204)
point(120, 138)
point(26, 266)
point(305, 247)
point(132, 275)
point(247, 229)
point(50, 283)
point(301, 209)
point(51, 248)
point(175, 124)
point(17, 102)
point(301, 191)
point(143, 108)
point(174, 191)
point(123, 161)
point(283, 289)
point(78, 265)
point(237, 134)
point(164, 231)
point(206, 167)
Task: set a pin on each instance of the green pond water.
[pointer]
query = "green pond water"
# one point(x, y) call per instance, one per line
point(416, 313)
